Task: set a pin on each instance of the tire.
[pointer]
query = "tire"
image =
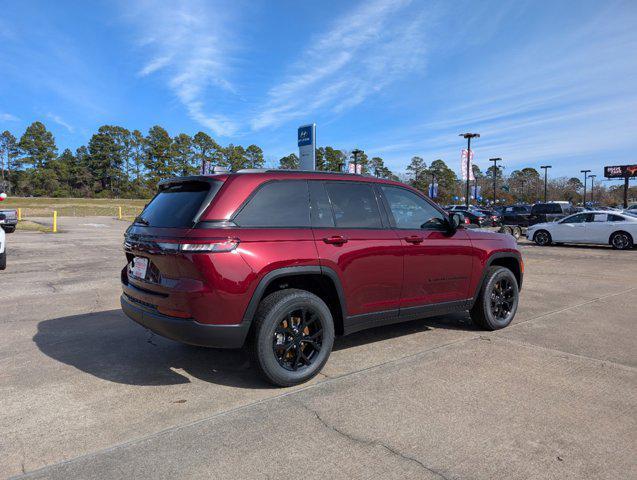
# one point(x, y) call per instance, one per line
point(507, 230)
point(9, 229)
point(498, 299)
point(542, 238)
point(621, 241)
point(279, 365)
point(517, 232)
point(3, 259)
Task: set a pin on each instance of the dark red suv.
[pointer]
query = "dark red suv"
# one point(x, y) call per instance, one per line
point(282, 261)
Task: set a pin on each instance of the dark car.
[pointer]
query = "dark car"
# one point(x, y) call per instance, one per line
point(475, 217)
point(516, 215)
point(549, 212)
point(495, 219)
point(283, 261)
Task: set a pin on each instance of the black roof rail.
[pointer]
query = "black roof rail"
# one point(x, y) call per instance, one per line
point(292, 170)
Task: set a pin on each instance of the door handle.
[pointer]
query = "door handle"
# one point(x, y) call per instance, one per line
point(414, 239)
point(335, 240)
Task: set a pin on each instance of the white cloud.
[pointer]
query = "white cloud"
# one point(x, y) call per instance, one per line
point(190, 46)
point(362, 52)
point(60, 121)
point(8, 117)
point(564, 96)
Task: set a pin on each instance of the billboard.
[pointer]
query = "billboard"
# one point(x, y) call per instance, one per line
point(306, 136)
point(620, 171)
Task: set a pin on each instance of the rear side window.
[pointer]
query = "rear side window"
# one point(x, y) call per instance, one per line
point(321, 210)
point(615, 218)
point(176, 205)
point(277, 204)
point(354, 205)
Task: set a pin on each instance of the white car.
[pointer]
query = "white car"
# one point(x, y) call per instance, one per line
point(597, 226)
point(3, 250)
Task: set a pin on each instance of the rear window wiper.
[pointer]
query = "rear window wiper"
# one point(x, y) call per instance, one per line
point(142, 220)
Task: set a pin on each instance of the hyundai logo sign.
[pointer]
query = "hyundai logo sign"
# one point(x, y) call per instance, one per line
point(305, 135)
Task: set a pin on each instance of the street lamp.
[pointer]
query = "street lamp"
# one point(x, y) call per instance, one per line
point(495, 170)
point(592, 177)
point(468, 136)
point(585, 172)
point(356, 152)
point(546, 168)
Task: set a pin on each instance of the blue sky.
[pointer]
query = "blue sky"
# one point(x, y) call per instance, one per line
point(542, 81)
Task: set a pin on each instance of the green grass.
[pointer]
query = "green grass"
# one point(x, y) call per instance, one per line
point(28, 226)
point(74, 207)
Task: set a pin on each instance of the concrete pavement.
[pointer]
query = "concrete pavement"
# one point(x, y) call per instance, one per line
point(88, 394)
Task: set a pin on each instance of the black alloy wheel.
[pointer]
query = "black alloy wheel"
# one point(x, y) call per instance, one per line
point(291, 336)
point(502, 298)
point(298, 339)
point(497, 302)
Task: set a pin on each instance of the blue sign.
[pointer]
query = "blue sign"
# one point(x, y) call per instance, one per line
point(305, 135)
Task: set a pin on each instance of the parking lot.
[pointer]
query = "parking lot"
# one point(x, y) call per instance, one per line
point(86, 393)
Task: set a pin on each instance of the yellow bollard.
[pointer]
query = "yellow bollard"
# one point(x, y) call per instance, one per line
point(19, 214)
point(55, 221)
point(119, 212)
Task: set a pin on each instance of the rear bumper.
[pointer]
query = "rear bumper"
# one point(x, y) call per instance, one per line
point(184, 330)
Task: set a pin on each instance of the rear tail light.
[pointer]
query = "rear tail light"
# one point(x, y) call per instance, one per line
point(467, 221)
point(213, 247)
point(216, 246)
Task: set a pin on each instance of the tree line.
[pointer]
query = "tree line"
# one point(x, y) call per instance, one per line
point(118, 162)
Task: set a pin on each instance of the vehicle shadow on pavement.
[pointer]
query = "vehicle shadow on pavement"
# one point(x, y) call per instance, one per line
point(109, 346)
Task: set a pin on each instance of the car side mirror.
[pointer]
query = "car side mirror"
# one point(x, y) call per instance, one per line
point(455, 220)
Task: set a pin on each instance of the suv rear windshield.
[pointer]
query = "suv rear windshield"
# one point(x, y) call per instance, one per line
point(176, 205)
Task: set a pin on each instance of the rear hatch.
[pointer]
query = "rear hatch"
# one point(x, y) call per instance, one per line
point(156, 267)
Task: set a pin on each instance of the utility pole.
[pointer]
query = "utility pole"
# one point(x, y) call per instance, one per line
point(546, 168)
point(592, 177)
point(495, 175)
point(356, 152)
point(468, 136)
point(585, 172)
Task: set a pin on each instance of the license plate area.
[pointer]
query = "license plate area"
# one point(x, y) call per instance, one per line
point(139, 268)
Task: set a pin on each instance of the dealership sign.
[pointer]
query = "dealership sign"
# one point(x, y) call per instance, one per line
point(620, 171)
point(307, 146)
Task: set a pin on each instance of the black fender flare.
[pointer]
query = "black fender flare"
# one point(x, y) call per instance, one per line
point(271, 276)
point(517, 256)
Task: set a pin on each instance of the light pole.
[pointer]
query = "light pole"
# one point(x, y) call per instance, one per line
point(356, 152)
point(546, 169)
point(585, 172)
point(592, 177)
point(468, 136)
point(495, 174)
